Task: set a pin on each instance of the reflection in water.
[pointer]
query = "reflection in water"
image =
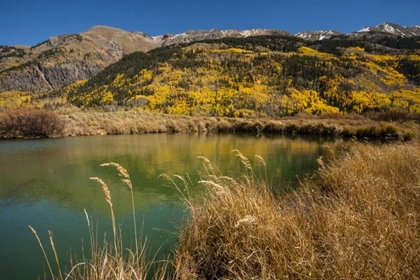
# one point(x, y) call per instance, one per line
point(45, 183)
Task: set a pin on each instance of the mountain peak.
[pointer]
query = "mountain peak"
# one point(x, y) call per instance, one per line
point(393, 29)
point(317, 34)
point(213, 34)
point(102, 28)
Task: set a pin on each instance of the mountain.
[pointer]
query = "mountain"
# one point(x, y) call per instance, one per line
point(66, 59)
point(214, 34)
point(260, 76)
point(317, 35)
point(63, 60)
point(124, 42)
point(392, 29)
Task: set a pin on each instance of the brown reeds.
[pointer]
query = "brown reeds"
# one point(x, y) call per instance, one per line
point(122, 172)
point(43, 251)
point(138, 122)
point(107, 194)
point(358, 219)
point(30, 123)
point(393, 125)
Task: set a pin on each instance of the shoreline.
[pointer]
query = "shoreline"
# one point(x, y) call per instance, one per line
point(357, 218)
point(377, 126)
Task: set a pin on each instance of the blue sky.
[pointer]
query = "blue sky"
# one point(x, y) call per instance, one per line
point(29, 22)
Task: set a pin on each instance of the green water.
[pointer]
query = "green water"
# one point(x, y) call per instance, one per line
point(45, 184)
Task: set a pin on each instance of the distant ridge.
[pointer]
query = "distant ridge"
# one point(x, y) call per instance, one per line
point(393, 29)
point(213, 34)
point(318, 34)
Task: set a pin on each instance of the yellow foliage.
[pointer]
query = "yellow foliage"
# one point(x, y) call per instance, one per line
point(306, 50)
point(408, 99)
point(15, 99)
point(147, 75)
point(80, 83)
point(414, 57)
point(307, 101)
point(364, 101)
point(107, 97)
point(357, 48)
point(387, 75)
point(119, 80)
point(231, 50)
point(241, 113)
point(239, 82)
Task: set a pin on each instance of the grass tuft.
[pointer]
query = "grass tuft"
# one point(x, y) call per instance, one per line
point(138, 122)
point(109, 261)
point(359, 218)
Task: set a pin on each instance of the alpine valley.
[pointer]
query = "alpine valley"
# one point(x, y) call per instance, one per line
point(325, 205)
point(258, 72)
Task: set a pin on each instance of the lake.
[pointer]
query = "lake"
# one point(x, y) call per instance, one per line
point(45, 183)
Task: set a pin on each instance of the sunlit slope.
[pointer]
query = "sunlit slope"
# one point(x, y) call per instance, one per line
point(261, 76)
point(265, 76)
point(65, 59)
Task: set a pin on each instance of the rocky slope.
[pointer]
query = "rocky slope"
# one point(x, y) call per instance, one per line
point(390, 29)
point(318, 34)
point(213, 34)
point(62, 60)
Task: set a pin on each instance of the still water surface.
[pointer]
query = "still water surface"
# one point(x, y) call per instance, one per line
point(45, 184)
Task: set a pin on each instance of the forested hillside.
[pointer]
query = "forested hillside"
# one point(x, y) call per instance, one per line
point(261, 76)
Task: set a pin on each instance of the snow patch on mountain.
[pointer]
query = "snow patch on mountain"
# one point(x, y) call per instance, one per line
point(317, 34)
point(393, 29)
point(390, 29)
point(366, 29)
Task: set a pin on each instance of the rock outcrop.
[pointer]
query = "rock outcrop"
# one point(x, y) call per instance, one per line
point(213, 34)
point(318, 34)
point(62, 60)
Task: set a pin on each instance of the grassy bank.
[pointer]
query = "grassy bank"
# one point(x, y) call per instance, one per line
point(32, 123)
point(137, 122)
point(357, 219)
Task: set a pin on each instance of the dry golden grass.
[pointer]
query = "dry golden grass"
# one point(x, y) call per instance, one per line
point(359, 218)
point(389, 125)
point(138, 122)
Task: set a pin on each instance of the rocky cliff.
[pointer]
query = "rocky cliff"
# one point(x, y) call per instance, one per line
point(63, 60)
